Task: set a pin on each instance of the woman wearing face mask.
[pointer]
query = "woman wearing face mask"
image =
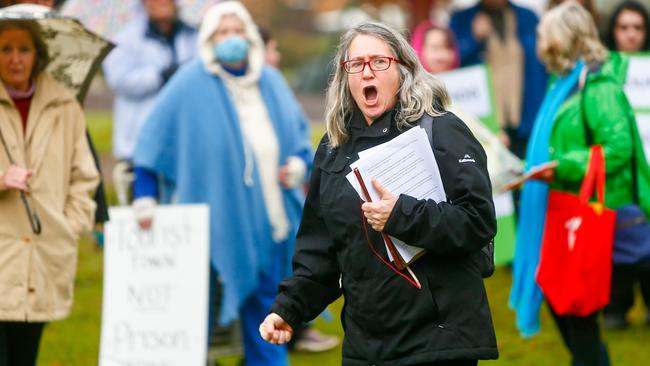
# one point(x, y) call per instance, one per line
point(227, 131)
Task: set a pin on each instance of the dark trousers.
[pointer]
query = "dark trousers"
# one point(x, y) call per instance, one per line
point(622, 292)
point(19, 343)
point(581, 335)
point(451, 363)
point(518, 144)
point(518, 147)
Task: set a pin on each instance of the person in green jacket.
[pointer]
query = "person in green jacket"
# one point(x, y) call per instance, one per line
point(568, 39)
point(628, 32)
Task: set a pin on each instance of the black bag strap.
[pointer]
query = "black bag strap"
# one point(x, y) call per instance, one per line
point(426, 122)
point(590, 140)
point(32, 215)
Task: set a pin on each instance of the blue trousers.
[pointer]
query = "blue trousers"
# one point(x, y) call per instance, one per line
point(257, 352)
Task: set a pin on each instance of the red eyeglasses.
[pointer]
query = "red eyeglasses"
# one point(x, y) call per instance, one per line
point(379, 63)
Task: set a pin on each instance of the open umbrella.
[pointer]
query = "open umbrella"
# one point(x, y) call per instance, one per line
point(75, 52)
point(108, 17)
point(75, 55)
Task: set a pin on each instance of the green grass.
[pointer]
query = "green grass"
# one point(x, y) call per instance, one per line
point(101, 129)
point(75, 341)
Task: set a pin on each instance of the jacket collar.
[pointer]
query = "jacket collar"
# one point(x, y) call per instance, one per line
point(47, 91)
point(358, 127)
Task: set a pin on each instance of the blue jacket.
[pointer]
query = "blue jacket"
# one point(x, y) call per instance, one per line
point(134, 70)
point(193, 139)
point(535, 77)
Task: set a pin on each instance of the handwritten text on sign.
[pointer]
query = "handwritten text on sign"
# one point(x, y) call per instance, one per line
point(155, 289)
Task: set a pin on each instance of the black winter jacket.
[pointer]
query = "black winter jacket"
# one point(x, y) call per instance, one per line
point(387, 321)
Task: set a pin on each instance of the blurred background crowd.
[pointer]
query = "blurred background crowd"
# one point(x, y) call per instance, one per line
point(159, 42)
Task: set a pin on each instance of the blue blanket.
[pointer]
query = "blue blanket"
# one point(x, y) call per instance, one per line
point(525, 296)
point(193, 139)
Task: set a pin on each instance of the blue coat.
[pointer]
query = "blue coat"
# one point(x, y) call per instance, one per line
point(535, 77)
point(193, 139)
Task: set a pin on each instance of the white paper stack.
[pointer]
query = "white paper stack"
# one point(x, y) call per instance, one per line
point(403, 165)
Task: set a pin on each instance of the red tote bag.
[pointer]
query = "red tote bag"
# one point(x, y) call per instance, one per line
point(575, 266)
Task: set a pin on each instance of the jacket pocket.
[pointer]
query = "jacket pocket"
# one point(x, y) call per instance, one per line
point(437, 316)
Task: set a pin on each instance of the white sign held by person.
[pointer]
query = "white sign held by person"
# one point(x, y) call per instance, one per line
point(469, 88)
point(637, 82)
point(155, 303)
point(643, 124)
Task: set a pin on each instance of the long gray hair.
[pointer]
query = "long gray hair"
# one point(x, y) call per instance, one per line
point(419, 91)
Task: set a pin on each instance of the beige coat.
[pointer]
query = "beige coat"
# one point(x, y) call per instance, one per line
point(37, 271)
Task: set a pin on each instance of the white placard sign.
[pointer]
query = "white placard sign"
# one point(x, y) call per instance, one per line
point(637, 82)
point(643, 124)
point(155, 302)
point(469, 88)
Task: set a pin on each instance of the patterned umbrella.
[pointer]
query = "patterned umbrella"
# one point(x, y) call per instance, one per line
point(108, 17)
point(75, 52)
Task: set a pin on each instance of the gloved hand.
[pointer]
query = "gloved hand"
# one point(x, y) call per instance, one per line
point(292, 174)
point(144, 209)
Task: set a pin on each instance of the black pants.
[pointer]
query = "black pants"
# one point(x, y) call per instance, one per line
point(622, 293)
point(518, 144)
point(19, 343)
point(518, 147)
point(451, 363)
point(581, 335)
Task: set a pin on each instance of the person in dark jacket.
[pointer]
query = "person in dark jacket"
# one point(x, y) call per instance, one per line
point(502, 34)
point(379, 91)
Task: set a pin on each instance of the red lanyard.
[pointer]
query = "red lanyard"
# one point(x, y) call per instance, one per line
point(415, 283)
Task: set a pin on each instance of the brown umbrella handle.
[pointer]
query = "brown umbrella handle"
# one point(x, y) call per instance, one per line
point(34, 220)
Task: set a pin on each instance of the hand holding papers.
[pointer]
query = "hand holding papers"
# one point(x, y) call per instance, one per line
point(542, 172)
point(404, 165)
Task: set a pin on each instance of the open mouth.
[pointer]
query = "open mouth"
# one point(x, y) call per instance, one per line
point(370, 94)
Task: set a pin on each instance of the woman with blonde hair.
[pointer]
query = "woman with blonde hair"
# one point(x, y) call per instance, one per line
point(585, 106)
point(380, 90)
point(587, 4)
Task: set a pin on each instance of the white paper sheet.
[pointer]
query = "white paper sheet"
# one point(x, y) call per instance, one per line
point(404, 165)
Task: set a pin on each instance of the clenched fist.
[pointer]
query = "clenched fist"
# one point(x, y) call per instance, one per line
point(275, 330)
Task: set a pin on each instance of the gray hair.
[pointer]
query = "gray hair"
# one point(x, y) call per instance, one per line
point(419, 93)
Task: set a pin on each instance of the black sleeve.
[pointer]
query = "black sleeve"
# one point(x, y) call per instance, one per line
point(465, 223)
point(315, 280)
point(101, 211)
